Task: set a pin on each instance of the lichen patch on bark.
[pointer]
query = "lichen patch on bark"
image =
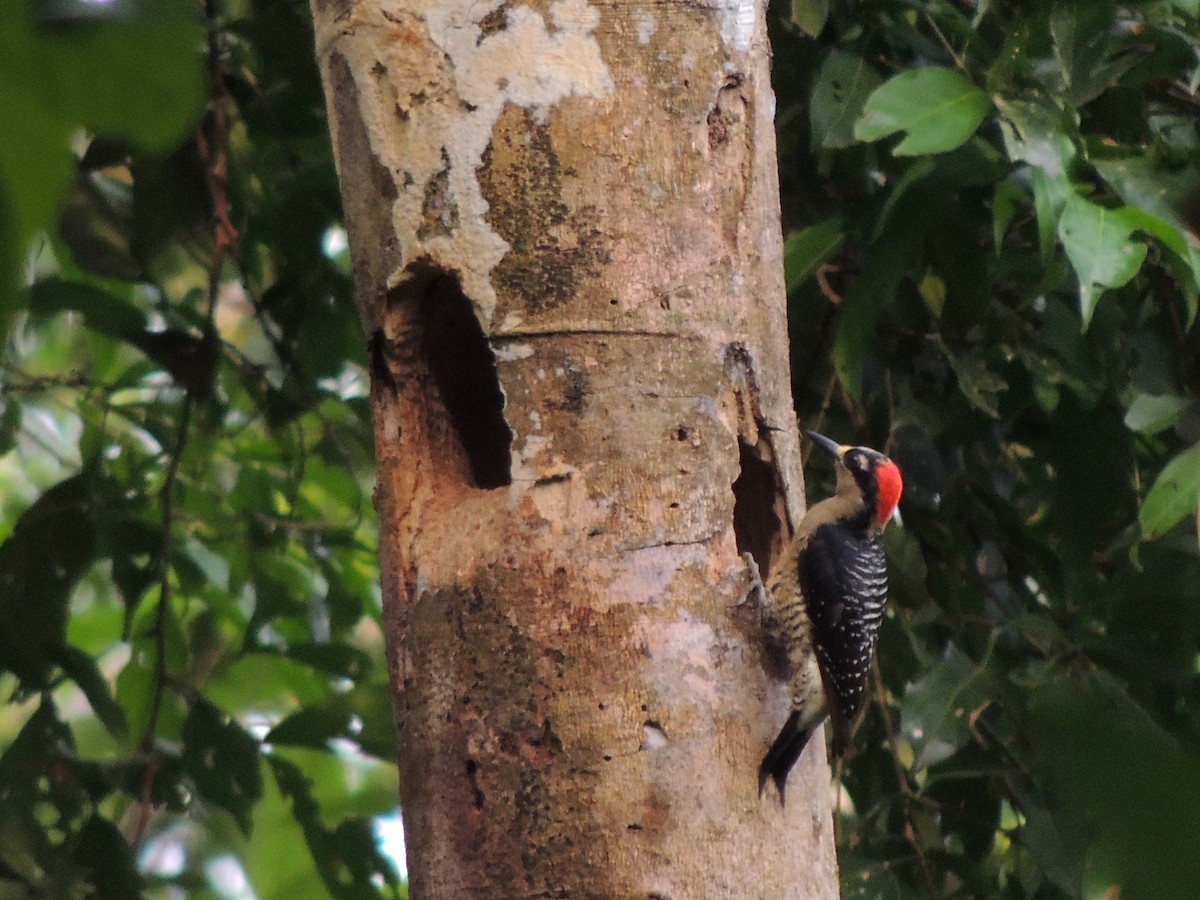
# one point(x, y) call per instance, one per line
point(447, 75)
point(492, 72)
point(552, 247)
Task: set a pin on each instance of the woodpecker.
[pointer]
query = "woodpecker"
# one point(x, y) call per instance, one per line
point(824, 599)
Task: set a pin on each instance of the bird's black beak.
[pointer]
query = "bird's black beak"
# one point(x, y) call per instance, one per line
point(833, 448)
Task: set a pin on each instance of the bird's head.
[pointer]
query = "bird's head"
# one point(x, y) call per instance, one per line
point(873, 475)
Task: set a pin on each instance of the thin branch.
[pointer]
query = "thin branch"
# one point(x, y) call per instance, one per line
point(823, 284)
point(858, 417)
point(826, 399)
point(25, 383)
point(907, 795)
point(213, 148)
point(161, 673)
point(958, 61)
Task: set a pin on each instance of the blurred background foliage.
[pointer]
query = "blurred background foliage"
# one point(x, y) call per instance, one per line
point(992, 268)
point(991, 210)
point(195, 700)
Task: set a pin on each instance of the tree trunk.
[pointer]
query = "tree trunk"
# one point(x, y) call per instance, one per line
point(564, 222)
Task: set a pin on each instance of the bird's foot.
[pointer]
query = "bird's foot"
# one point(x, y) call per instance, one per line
point(757, 590)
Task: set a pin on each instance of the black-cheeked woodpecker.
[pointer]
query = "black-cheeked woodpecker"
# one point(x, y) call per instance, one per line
point(824, 598)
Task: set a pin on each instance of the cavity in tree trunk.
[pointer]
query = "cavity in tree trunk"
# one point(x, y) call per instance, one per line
point(564, 223)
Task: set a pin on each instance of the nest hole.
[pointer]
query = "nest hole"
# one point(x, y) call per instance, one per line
point(460, 360)
point(757, 526)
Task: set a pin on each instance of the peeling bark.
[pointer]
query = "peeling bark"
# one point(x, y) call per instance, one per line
point(564, 223)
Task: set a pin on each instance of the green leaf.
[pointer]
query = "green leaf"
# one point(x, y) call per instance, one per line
point(87, 72)
point(1159, 196)
point(810, 16)
point(1154, 189)
point(980, 385)
point(82, 669)
point(844, 82)
point(223, 760)
point(804, 251)
point(1057, 842)
point(268, 678)
point(97, 225)
point(1150, 413)
point(38, 570)
point(907, 569)
point(108, 858)
point(1138, 791)
point(938, 108)
point(1098, 243)
point(314, 726)
point(1173, 494)
point(1007, 199)
point(936, 712)
point(54, 81)
point(363, 715)
point(135, 687)
point(10, 423)
point(1080, 32)
point(334, 658)
point(932, 289)
point(346, 857)
point(1091, 56)
point(278, 835)
point(1033, 132)
point(375, 731)
point(889, 261)
point(105, 312)
point(912, 178)
point(35, 165)
point(1050, 195)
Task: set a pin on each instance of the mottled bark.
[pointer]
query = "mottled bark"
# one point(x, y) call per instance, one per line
point(565, 230)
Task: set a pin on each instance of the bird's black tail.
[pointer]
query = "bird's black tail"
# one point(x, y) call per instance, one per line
point(783, 755)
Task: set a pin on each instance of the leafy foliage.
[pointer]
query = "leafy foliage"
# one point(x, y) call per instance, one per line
point(992, 273)
point(1005, 298)
point(188, 557)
